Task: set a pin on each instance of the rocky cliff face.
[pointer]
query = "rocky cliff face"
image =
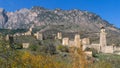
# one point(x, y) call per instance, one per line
point(39, 16)
point(18, 19)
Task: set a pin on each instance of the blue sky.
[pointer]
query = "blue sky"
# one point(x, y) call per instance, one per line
point(107, 9)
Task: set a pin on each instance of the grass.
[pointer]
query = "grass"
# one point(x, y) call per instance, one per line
point(113, 59)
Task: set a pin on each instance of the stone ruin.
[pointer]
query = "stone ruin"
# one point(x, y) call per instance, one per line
point(85, 43)
point(65, 41)
point(77, 41)
point(25, 45)
point(102, 46)
point(59, 35)
point(80, 43)
point(38, 36)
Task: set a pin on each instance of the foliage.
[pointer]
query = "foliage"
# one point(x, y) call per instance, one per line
point(62, 48)
point(27, 60)
point(14, 58)
point(33, 47)
point(48, 49)
point(16, 46)
point(101, 64)
point(94, 51)
point(113, 59)
point(24, 39)
point(8, 31)
point(79, 58)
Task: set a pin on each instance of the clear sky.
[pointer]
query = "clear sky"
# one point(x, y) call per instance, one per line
point(107, 9)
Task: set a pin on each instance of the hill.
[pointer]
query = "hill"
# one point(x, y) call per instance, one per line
point(87, 23)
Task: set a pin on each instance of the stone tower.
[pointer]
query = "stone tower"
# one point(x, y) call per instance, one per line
point(77, 41)
point(7, 37)
point(102, 37)
point(59, 35)
point(39, 36)
point(65, 41)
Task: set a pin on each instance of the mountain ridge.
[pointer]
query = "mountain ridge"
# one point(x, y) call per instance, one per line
point(35, 11)
point(63, 20)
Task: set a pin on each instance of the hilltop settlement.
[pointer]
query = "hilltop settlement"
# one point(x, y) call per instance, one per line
point(66, 40)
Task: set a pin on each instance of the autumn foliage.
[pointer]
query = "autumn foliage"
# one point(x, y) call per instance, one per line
point(27, 60)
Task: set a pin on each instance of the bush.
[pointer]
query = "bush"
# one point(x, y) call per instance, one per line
point(33, 48)
point(48, 49)
point(25, 59)
point(94, 51)
point(101, 64)
point(62, 48)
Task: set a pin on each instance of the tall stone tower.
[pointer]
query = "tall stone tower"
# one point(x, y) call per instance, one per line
point(77, 41)
point(103, 37)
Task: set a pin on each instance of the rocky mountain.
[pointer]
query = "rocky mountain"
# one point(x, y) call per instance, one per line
point(3, 18)
point(64, 20)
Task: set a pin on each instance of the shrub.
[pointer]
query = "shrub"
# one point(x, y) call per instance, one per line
point(101, 64)
point(62, 48)
point(94, 51)
point(48, 49)
point(33, 47)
